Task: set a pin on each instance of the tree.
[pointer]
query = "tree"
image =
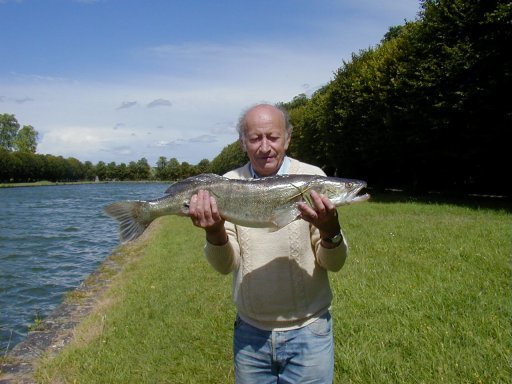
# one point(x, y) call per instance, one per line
point(101, 170)
point(122, 171)
point(9, 127)
point(143, 169)
point(310, 122)
point(89, 171)
point(203, 166)
point(172, 170)
point(131, 170)
point(12, 138)
point(111, 169)
point(160, 168)
point(26, 140)
point(424, 109)
point(232, 156)
point(6, 165)
point(74, 169)
point(392, 33)
point(298, 101)
point(187, 170)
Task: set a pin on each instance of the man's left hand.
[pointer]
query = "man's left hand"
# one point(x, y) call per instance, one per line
point(322, 214)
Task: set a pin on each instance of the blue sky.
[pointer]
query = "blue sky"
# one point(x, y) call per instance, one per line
point(118, 80)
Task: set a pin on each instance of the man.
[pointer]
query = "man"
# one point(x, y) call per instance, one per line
point(281, 289)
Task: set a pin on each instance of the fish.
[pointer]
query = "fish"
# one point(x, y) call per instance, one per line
point(267, 202)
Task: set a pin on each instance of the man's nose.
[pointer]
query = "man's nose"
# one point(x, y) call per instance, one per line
point(264, 147)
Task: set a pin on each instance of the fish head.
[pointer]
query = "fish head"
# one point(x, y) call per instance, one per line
point(342, 191)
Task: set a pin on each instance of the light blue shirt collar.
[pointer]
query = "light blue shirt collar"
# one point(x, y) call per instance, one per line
point(283, 170)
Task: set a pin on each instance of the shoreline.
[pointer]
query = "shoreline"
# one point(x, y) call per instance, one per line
point(57, 330)
point(57, 183)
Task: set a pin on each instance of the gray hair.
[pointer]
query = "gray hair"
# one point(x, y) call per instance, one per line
point(242, 123)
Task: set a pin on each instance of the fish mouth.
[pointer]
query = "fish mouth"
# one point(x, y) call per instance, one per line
point(361, 198)
point(354, 196)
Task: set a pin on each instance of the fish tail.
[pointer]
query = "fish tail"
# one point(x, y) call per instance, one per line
point(131, 219)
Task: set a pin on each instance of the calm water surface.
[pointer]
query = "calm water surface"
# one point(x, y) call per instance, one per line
point(51, 239)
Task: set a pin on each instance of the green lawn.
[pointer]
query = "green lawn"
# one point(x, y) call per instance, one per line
point(423, 298)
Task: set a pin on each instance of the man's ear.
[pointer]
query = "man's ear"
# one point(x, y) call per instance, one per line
point(242, 145)
point(287, 142)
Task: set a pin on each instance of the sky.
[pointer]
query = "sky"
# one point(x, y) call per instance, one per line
point(122, 80)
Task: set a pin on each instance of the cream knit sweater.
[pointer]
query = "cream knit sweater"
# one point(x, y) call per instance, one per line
point(279, 278)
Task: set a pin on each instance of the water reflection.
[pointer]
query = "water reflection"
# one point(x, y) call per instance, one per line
point(51, 238)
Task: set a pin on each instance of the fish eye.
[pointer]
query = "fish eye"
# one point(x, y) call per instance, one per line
point(349, 185)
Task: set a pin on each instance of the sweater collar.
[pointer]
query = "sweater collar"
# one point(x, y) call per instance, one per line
point(283, 170)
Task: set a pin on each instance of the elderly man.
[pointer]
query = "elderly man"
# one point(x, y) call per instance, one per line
point(283, 330)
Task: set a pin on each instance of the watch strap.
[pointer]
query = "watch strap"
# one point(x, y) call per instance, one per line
point(336, 239)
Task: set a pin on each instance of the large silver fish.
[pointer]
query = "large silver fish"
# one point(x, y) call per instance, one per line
point(266, 202)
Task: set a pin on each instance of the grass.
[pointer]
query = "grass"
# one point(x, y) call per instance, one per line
point(38, 324)
point(424, 298)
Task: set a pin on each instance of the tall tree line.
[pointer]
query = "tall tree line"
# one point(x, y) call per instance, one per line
point(429, 108)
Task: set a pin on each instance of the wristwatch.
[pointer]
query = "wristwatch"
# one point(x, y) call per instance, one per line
point(336, 239)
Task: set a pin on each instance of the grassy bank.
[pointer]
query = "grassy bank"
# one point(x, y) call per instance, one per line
point(424, 298)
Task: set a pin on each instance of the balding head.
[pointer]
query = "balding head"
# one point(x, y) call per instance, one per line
point(265, 133)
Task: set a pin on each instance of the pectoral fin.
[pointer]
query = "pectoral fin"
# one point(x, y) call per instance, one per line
point(285, 215)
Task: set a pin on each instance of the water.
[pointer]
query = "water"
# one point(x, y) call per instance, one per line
point(51, 239)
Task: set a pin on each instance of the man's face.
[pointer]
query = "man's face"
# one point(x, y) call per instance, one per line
point(265, 139)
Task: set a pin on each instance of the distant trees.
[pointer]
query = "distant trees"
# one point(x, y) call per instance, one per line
point(172, 169)
point(27, 167)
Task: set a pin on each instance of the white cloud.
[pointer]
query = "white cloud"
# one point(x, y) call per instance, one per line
point(21, 100)
point(127, 104)
point(204, 139)
point(69, 141)
point(159, 103)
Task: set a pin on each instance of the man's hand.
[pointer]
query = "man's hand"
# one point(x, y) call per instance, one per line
point(322, 215)
point(205, 214)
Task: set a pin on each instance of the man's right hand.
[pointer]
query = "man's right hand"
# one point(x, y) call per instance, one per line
point(205, 214)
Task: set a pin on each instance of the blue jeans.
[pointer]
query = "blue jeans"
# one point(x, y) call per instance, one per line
point(304, 355)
